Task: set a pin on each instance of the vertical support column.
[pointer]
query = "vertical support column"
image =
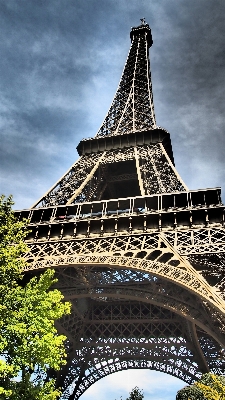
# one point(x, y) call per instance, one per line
point(141, 186)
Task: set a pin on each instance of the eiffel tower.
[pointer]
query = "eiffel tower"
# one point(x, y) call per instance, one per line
point(140, 257)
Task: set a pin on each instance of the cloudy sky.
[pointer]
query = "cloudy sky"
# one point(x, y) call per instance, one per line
point(60, 64)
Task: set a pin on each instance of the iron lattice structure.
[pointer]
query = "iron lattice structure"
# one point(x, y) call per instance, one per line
point(140, 256)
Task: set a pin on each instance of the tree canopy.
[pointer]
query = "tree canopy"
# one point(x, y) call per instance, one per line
point(136, 394)
point(29, 342)
point(209, 387)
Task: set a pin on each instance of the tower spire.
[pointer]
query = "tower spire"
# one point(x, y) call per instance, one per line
point(132, 108)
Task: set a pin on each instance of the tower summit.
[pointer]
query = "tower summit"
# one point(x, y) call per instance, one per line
point(139, 255)
point(132, 108)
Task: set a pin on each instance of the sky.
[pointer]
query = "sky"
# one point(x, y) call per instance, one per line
point(154, 386)
point(60, 65)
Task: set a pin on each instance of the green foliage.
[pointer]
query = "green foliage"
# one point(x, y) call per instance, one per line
point(136, 394)
point(191, 392)
point(209, 387)
point(212, 387)
point(29, 342)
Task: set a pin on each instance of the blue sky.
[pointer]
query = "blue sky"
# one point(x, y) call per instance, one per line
point(60, 65)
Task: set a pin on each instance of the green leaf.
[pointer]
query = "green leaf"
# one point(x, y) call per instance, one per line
point(29, 341)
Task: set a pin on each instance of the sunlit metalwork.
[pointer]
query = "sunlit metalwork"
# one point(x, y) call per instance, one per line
point(140, 256)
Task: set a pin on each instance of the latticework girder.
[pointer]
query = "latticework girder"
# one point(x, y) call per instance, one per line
point(134, 271)
point(140, 257)
point(132, 108)
point(147, 169)
point(153, 251)
point(120, 334)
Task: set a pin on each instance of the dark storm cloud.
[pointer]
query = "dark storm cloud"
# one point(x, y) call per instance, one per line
point(189, 73)
point(60, 66)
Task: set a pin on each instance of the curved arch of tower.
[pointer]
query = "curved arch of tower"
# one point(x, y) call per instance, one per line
point(140, 257)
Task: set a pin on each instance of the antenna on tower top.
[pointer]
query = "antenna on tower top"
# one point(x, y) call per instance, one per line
point(143, 22)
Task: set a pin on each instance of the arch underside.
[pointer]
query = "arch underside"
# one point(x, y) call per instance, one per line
point(125, 319)
point(166, 355)
point(136, 303)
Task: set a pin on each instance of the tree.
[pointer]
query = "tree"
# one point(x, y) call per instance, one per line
point(212, 387)
point(136, 394)
point(191, 392)
point(209, 387)
point(29, 342)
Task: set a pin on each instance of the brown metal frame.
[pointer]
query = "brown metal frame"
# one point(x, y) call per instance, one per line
point(144, 273)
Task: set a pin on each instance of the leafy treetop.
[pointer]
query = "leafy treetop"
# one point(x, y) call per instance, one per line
point(209, 387)
point(29, 342)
